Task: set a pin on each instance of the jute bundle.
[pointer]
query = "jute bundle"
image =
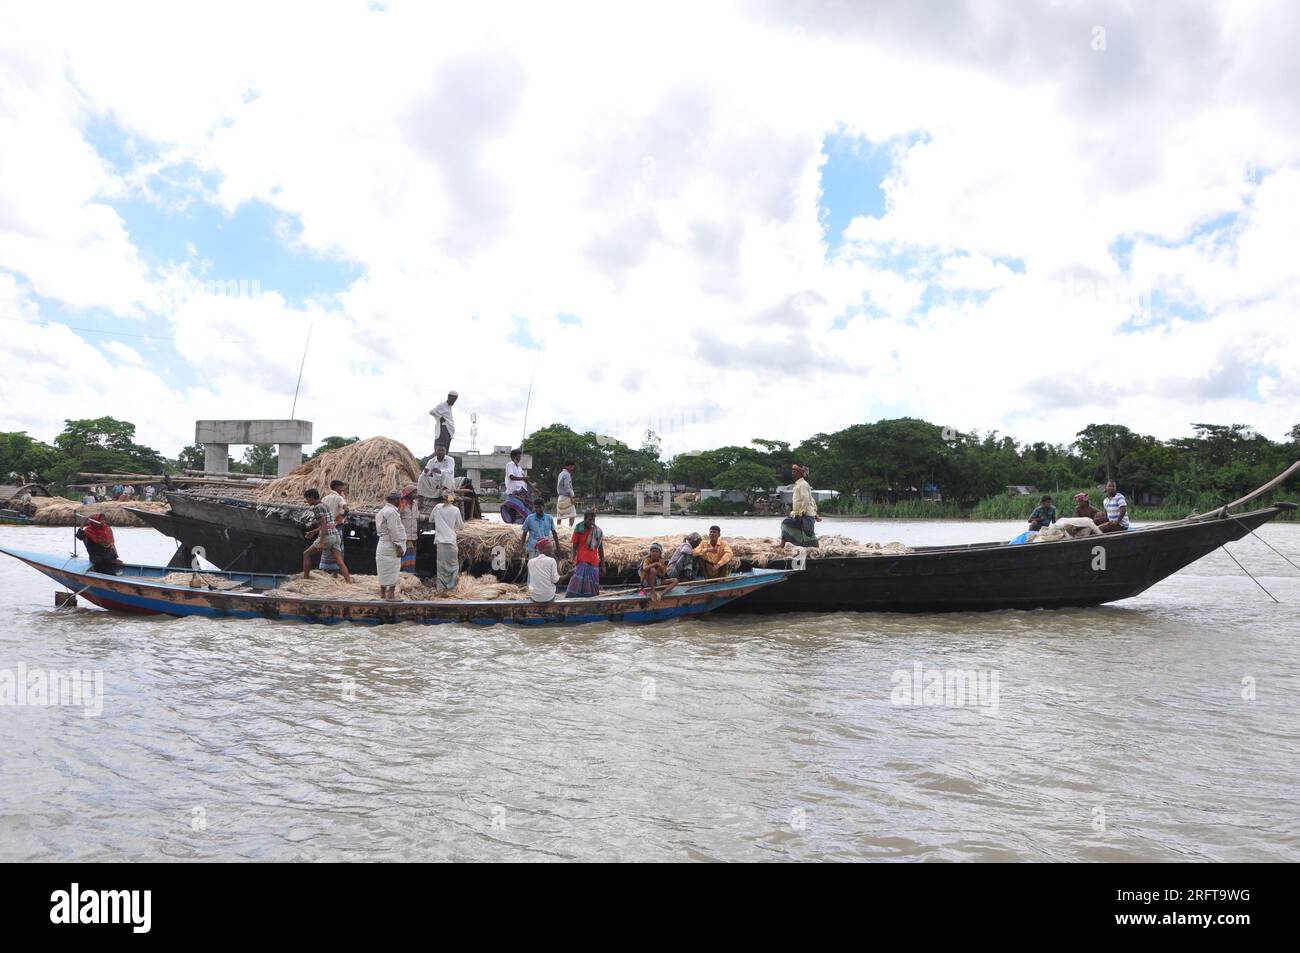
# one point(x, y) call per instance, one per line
point(479, 539)
point(56, 511)
point(369, 467)
point(323, 586)
point(200, 580)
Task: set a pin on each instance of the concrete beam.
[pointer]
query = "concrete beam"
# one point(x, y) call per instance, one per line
point(489, 461)
point(252, 431)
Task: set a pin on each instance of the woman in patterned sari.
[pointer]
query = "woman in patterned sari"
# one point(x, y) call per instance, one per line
point(588, 557)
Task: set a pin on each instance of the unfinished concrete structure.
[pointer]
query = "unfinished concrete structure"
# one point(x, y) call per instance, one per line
point(666, 489)
point(216, 436)
point(472, 465)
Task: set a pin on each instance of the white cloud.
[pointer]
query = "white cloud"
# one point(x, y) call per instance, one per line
point(657, 176)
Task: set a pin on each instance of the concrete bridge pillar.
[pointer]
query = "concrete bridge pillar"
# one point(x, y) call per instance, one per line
point(216, 457)
point(216, 436)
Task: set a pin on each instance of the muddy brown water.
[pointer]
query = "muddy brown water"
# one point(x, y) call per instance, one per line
point(1165, 727)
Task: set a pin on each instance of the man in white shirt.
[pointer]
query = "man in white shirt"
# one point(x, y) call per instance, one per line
point(543, 573)
point(335, 500)
point(438, 475)
point(391, 546)
point(446, 427)
point(517, 483)
point(446, 521)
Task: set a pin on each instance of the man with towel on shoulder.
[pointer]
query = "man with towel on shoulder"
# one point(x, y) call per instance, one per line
point(800, 526)
point(391, 546)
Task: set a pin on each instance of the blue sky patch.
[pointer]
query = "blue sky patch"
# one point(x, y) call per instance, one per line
point(523, 334)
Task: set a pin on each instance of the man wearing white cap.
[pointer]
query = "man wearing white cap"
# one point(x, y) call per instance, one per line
point(391, 546)
point(446, 426)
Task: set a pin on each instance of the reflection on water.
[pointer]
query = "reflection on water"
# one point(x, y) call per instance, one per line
point(1161, 728)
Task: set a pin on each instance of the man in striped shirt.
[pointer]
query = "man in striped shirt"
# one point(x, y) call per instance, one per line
point(1116, 510)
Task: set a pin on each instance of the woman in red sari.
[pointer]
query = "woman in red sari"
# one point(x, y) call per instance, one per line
point(100, 545)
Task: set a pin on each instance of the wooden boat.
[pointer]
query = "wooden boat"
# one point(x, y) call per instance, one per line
point(975, 577)
point(14, 518)
point(139, 589)
point(1088, 571)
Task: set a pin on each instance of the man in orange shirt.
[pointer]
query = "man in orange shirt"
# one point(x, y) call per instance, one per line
point(714, 554)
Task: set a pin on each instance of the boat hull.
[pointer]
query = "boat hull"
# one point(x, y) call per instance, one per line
point(985, 577)
point(979, 577)
point(138, 591)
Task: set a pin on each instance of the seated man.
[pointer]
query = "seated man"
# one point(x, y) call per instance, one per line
point(654, 571)
point(1044, 515)
point(681, 565)
point(714, 554)
point(543, 573)
point(1116, 510)
point(1083, 508)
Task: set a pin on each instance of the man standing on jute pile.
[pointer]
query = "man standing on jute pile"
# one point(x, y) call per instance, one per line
point(446, 426)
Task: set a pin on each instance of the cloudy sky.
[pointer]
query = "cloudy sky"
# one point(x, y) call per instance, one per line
point(724, 221)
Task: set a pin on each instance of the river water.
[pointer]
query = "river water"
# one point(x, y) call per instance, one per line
point(1165, 727)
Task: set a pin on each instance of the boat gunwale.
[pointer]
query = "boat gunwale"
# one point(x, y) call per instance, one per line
point(755, 577)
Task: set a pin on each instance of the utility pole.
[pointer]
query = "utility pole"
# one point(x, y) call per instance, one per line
point(473, 433)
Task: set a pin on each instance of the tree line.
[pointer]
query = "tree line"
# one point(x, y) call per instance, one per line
point(107, 445)
point(882, 462)
point(892, 460)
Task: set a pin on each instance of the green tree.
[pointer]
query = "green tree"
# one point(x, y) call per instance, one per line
point(331, 443)
point(259, 458)
point(747, 477)
point(193, 457)
point(551, 446)
point(103, 445)
point(22, 455)
point(1104, 446)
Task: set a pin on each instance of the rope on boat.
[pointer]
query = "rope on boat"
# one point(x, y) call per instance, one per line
point(1267, 543)
point(1247, 572)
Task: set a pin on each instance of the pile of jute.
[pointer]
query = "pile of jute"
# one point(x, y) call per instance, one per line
point(481, 540)
point(56, 511)
point(324, 586)
point(370, 468)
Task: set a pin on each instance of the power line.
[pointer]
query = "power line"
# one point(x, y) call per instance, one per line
point(121, 334)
